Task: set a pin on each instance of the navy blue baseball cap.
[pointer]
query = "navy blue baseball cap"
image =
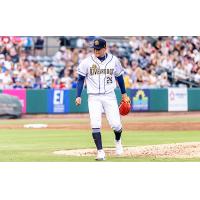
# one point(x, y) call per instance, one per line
point(99, 43)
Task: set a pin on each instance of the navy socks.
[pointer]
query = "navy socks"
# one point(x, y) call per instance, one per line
point(118, 134)
point(97, 138)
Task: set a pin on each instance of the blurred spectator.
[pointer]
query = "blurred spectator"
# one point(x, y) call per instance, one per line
point(69, 65)
point(66, 80)
point(74, 78)
point(134, 74)
point(81, 42)
point(114, 50)
point(30, 78)
point(127, 78)
point(46, 79)
point(18, 84)
point(180, 72)
point(2, 58)
point(38, 46)
point(2, 66)
point(14, 55)
point(62, 56)
point(27, 44)
point(17, 40)
point(5, 39)
point(5, 79)
point(197, 77)
point(125, 63)
point(64, 41)
point(51, 71)
point(152, 78)
point(8, 62)
point(163, 81)
point(134, 43)
point(167, 63)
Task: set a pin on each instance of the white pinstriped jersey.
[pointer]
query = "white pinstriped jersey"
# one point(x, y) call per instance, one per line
point(100, 76)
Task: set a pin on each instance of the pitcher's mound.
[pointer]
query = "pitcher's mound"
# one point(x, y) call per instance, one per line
point(177, 150)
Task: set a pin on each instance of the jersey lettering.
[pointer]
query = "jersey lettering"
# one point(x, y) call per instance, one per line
point(109, 79)
point(97, 71)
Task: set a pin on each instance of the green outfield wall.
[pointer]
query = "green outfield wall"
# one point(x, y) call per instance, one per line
point(193, 99)
point(158, 100)
point(46, 101)
point(37, 101)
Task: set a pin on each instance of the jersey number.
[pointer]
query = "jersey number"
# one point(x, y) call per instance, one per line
point(109, 80)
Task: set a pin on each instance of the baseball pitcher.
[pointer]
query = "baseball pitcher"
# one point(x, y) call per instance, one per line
point(101, 70)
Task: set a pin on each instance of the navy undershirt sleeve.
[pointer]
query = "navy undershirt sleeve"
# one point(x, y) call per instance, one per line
point(80, 84)
point(120, 81)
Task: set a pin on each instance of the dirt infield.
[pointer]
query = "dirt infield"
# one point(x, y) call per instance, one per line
point(129, 123)
point(156, 126)
point(178, 150)
point(133, 114)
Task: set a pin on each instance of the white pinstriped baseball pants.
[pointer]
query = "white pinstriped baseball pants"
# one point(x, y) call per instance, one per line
point(107, 103)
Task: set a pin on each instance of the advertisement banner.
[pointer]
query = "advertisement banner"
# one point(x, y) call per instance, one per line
point(21, 94)
point(140, 99)
point(177, 99)
point(58, 101)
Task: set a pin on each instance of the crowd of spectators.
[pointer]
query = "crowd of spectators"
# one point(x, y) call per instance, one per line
point(149, 62)
point(156, 62)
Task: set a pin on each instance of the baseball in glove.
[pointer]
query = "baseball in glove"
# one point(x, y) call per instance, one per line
point(125, 106)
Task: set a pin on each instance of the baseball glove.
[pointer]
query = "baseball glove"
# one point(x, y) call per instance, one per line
point(125, 106)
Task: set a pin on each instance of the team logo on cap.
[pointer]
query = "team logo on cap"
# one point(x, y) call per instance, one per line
point(96, 42)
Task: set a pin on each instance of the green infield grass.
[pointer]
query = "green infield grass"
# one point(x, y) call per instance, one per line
point(32, 145)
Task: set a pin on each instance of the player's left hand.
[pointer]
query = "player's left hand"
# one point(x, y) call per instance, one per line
point(125, 98)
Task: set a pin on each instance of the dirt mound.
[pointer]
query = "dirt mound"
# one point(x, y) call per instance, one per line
point(177, 150)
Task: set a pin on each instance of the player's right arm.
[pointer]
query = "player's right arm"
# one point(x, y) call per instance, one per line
point(79, 89)
point(82, 72)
